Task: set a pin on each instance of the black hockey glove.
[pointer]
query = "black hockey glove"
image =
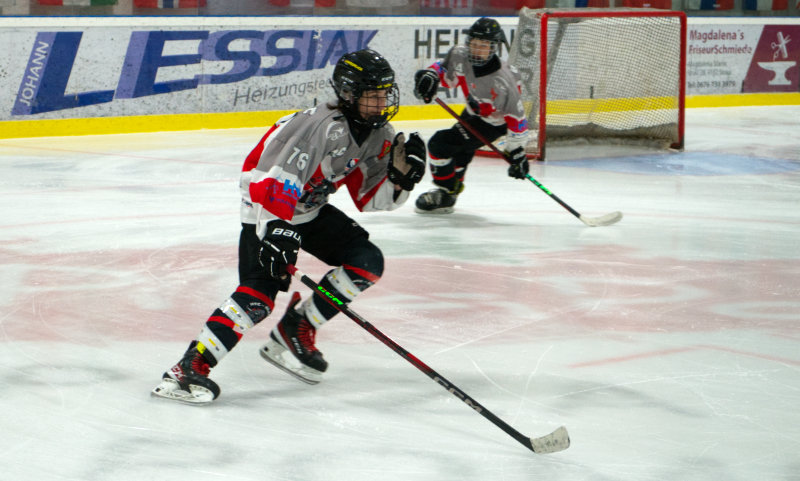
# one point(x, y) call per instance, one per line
point(279, 249)
point(407, 163)
point(426, 82)
point(474, 104)
point(483, 109)
point(519, 163)
point(317, 194)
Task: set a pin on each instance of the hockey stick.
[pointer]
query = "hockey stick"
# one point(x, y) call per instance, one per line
point(608, 219)
point(556, 441)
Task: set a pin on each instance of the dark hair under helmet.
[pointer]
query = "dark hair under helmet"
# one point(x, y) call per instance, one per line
point(361, 71)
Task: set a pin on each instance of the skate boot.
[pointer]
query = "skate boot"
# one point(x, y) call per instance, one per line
point(291, 348)
point(438, 200)
point(188, 380)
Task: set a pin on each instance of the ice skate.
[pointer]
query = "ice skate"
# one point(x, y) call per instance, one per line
point(437, 201)
point(187, 381)
point(291, 348)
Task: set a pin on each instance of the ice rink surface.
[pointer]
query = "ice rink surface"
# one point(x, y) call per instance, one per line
point(668, 344)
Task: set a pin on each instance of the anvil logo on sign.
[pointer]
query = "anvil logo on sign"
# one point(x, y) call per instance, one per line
point(779, 67)
point(774, 66)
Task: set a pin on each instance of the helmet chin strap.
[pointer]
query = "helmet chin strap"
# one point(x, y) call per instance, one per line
point(477, 62)
point(377, 121)
point(491, 65)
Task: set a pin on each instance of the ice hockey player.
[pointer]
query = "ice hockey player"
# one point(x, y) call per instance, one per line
point(285, 184)
point(494, 108)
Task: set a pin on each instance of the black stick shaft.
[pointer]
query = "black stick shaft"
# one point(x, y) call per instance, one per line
point(483, 139)
point(415, 361)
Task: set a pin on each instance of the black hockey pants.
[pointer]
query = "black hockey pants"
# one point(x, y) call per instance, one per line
point(452, 149)
point(332, 237)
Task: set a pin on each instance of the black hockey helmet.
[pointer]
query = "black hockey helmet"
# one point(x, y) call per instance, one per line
point(486, 28)
point(361, 71)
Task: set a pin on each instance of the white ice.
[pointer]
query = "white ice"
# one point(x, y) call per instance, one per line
point(668, 344)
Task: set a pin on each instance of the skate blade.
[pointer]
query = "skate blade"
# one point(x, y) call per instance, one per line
point(283, 359)
point(170, 389)
point(437, 211)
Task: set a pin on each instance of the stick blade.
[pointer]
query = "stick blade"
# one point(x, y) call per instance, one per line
point(554, 442)
point(603, 220)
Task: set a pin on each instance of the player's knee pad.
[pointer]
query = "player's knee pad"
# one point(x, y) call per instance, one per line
point(446, 176)
point(362, 268)
point(363, 263)
point(442, 171)
point(253, 306)
point(343, 283)
point(242, 310)
point(439, 147)
point(437, 163)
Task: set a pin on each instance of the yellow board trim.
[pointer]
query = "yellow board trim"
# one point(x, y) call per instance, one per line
point(564, 107)
point(137, 123)
point(743, 100)
point(175, 122)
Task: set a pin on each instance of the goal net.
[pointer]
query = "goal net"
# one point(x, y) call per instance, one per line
point(606, 76)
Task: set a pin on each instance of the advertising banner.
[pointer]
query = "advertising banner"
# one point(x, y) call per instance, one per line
point(120, 70)
point(94, 67)
point(742, 58)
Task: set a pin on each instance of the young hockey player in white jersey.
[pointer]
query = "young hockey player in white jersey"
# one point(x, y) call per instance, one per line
point(494, 108)
point(285, 184)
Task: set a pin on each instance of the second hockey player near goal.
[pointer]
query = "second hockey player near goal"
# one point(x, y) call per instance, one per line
point(285, 184)
point(494, 108)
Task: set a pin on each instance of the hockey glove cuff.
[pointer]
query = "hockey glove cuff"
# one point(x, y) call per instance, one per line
point(483, 109)
point(279, 249)
point(519, 163)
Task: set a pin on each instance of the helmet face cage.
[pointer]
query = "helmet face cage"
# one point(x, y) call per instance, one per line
point(484, 29)
point(388, 99)
point(480, 59)
point(364, 71)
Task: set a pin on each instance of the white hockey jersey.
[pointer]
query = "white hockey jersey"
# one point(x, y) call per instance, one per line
point(287, 173)
point(497, 95)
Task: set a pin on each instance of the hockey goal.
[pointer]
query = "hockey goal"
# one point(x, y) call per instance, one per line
point(602, 76)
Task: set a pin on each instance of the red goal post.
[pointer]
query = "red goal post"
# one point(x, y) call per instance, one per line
point(601, 76)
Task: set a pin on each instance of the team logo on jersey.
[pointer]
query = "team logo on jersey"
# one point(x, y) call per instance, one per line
point(387, 146)
point(335, 131)
point(351, 164)
point(338, 152)
point(277, 193)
